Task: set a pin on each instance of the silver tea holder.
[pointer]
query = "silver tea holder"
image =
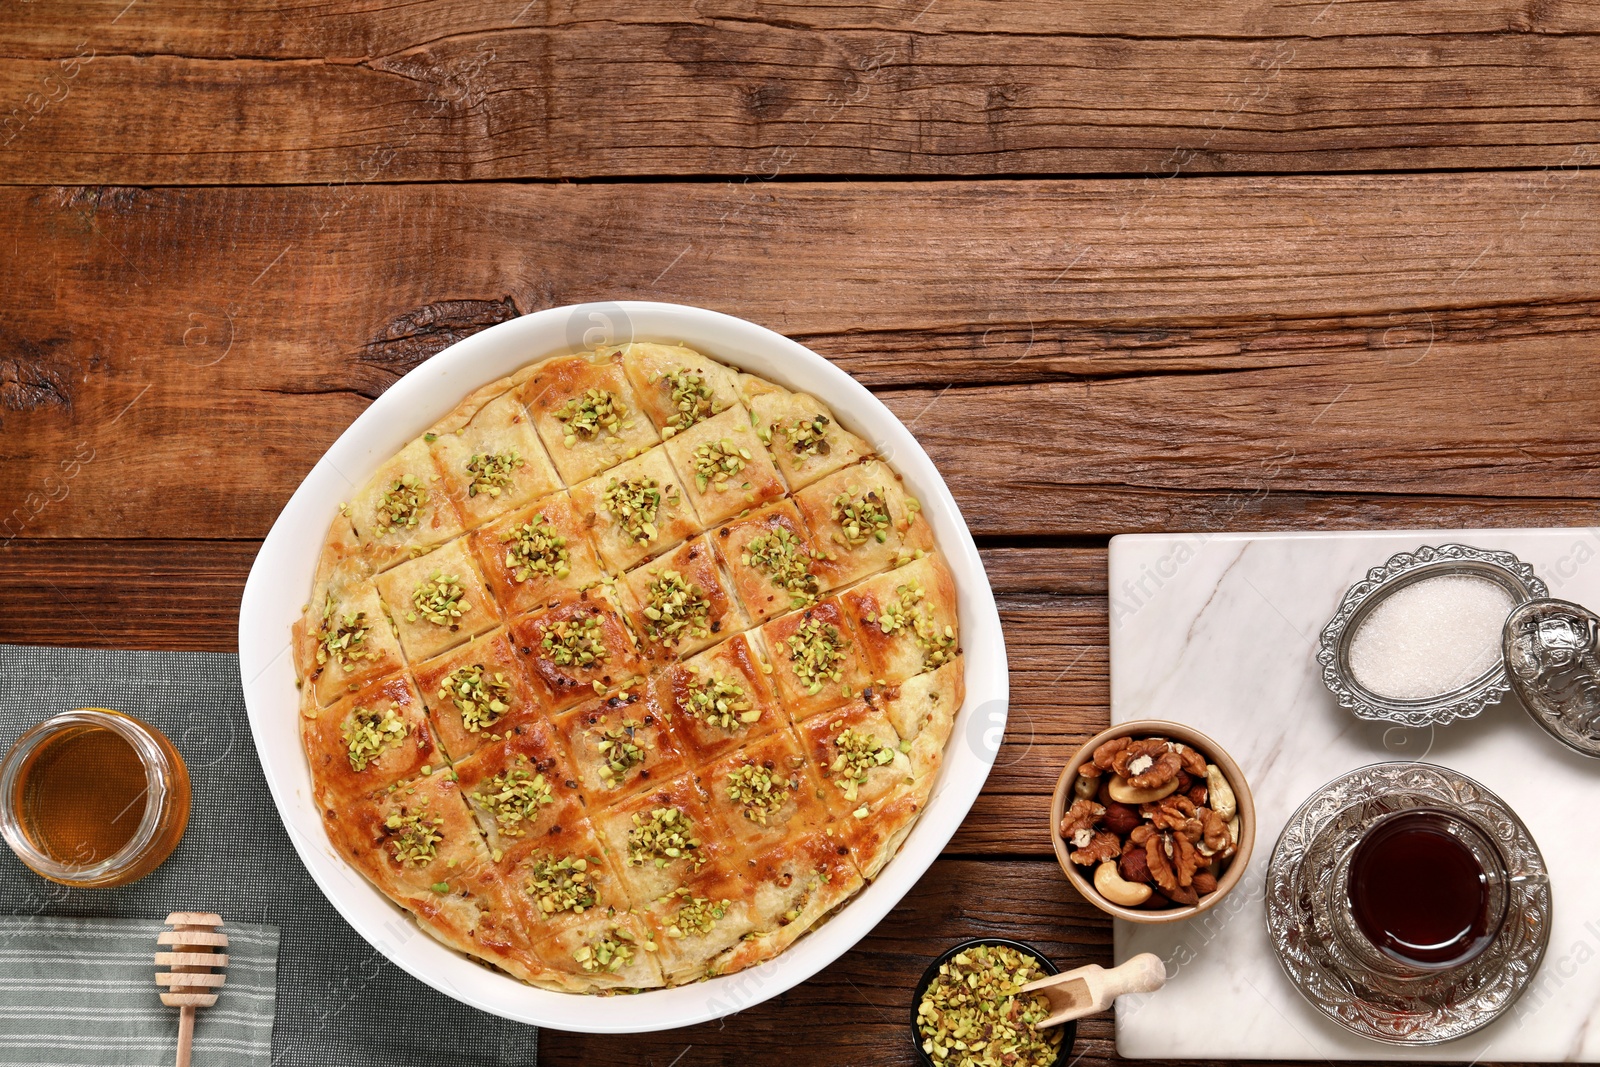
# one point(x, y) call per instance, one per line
point(1402, 570)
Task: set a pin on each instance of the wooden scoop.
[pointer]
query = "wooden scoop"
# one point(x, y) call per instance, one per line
point(1086, 990)
point(195, 947)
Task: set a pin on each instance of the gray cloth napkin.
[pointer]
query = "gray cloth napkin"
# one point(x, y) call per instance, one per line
point(82, 991)
point(340, 1002)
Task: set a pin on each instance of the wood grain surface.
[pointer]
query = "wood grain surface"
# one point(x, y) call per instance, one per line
point(908, 87)
point(1278, 264)
point(1080, 358)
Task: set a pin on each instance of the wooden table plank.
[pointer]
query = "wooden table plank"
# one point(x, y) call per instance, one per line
point(182, 27)
point(618, 93)
point(142, 594)
point(1203, 355)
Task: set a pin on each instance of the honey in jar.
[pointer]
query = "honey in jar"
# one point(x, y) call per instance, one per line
point(93, 798)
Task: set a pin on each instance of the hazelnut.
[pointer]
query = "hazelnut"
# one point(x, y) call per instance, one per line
point(1134, 866)
point(1120, 818)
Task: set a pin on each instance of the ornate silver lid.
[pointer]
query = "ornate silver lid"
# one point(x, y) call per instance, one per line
point(1401, 570)
point(1550, 649)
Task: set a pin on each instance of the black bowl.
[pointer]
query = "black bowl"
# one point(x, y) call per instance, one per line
point(1069, 1031)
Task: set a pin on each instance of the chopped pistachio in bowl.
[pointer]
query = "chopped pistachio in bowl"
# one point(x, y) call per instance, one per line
point(966, 1011)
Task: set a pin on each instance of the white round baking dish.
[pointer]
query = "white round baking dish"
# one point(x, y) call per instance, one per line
point(280, 582)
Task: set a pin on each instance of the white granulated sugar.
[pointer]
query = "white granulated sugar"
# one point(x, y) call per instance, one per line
point(1430, 637)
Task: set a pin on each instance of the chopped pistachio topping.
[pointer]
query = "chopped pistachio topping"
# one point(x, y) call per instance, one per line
point(755, 790)
point(610, 953)
point(593, 413)
point(401, 505)
point(480, 696)
point(343, 638)
point(691, 400)
point(895, 614)
point(492, 471)
point(439, 601)
point(805, 436)
point(718, 463)
point(860, 517)
point(536, 548)
point(937, 642)
point(414, 839)
point(858, 753)
point(661, 837)
point(575, 642)
point(787, 562)
point(675, 608)
point(515, 797)
point(721, 702)
point(368, 732)
point(695, 915)
point(816, 651)
point(635, 503)
point(973, 1013)
point(619, 750)
point(560, 884)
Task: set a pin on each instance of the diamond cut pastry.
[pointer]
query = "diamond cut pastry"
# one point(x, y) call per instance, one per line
point(640, 666)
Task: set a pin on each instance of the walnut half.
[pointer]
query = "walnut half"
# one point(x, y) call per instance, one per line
point(1102, 845)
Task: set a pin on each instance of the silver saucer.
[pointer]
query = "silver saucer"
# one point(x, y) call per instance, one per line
point(1402, 569)
point(1396, 1011)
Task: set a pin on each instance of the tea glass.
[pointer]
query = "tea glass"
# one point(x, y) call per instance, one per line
point(1497, 883)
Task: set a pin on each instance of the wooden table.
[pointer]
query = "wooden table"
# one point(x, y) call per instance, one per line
point(1267, 265)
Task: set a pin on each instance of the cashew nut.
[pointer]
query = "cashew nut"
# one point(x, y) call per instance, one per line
point(1109, 883)
point(1219, 793)
point(1123, 793)
point(1084, 788)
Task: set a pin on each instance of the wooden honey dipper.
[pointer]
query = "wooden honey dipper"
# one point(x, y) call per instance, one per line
point(195, 948)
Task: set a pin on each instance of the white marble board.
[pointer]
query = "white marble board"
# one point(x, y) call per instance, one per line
point(1220, 631)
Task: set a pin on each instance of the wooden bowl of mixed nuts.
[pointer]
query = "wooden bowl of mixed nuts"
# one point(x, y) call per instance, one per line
point(1152, 821)
point(968, 1008)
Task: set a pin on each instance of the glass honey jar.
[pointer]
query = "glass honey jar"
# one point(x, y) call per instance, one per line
point(93, 798)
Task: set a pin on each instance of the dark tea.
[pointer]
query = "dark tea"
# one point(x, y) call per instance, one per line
point(1418, 893)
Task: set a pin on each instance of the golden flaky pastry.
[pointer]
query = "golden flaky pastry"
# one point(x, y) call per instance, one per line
point(628, 672)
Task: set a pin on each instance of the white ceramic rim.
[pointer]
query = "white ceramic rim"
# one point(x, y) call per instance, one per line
point(280, 582)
